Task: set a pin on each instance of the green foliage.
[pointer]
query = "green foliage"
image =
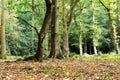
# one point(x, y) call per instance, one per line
point(3, 56)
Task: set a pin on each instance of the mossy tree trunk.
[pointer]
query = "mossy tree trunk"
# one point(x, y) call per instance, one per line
point(112, 14)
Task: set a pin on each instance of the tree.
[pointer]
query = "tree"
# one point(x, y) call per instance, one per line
point(42, 33)
point(3, 42)
point(94, 25)
point(33, 13)
point(54, 30)
point(111, 7)
point(67, 20)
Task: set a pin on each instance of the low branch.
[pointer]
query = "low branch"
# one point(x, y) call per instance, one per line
point(27, 23)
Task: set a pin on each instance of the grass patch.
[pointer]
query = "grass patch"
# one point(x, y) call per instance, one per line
point(31, 57)
point(5, 57)
point(112, 57)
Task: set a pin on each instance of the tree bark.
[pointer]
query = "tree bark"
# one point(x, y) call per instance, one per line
point(3, 42)
point(49, 38)
point(66, 25)
point(65, 32)
point(80, 44)
point(54, 30)
point(113, 33)
point(95, 48)
point(66, 42)
point(42, 33)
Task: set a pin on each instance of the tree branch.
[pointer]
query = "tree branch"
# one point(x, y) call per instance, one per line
point(104, 5)
point(27, 23)
point(72, 11)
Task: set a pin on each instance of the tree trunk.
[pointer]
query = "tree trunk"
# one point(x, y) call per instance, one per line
point(112, 19)
point(54, 30)
point(49, 38)
point(66, 43)
point(65, 32)
point(80, 38)
point(40, 49)
point(3, 42)
point(32, 40)
point(113, 32)
point(80, 44)
point(42, 33)
point(94, 39)
point(95, 48)
point(67, 24)
point(80, 35)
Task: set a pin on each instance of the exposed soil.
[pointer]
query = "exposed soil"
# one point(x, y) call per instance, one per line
point(60, 70)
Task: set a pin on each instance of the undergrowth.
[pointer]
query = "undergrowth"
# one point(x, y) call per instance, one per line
point(113, 57)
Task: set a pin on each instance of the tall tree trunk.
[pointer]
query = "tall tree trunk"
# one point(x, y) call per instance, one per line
point(65, 32)
point(54, 30)
point(94, 39)
point(33, 12)
point(113, 18)
point(80, 38)
point(113, 32)
point(67, 24)
point(3, 42)
point(80, 35)
point(42, 33)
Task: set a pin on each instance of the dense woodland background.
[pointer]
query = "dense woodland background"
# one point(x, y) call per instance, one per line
point(57, 28)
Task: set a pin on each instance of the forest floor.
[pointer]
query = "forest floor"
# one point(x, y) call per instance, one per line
point(60, 70)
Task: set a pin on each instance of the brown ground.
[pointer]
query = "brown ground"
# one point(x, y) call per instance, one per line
point(60, 70)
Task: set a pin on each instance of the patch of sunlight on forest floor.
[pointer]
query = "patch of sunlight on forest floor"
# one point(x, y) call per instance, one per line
point(13, 57)
point(113, 57)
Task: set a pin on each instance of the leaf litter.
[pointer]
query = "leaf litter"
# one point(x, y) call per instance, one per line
point(60, 70)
